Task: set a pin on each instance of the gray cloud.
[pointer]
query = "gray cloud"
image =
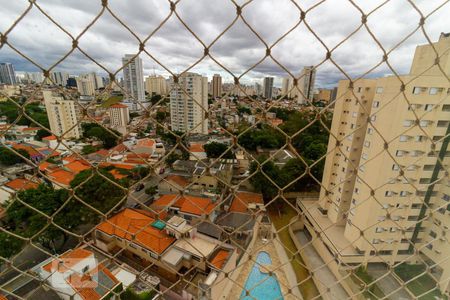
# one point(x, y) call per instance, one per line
point(238, 49)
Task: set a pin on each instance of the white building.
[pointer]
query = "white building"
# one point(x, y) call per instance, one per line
point(189, 104)
point(133, 80)
point(268, 87)
point(119, 115)
point(78, 275)
point(62, 115)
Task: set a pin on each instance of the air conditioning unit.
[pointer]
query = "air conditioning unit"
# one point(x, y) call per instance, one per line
point(438, 251)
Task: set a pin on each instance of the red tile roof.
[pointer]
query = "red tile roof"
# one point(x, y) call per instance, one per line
point(49, 138)
point(196, 148)
point(62, 176)
point(21, 184)
point(31, 151)
point(129, 223)
point(77, 166)
point(67, 260)
point(179, 180)
point(118, 105)
point(220, 258)
point(243, 199)
point(187, 204)
point(145, 142)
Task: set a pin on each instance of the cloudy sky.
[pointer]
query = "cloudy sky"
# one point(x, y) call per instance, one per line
point(238, 49)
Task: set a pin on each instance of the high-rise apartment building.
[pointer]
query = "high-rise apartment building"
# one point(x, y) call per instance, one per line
point(285, 86)
point(85, 86)
point(133, 80)
point(59, 78)
point(189, 104)
point(216, 86)
point(384, 169)
point(156, 85)
point(268, 87)
point(7, 74)
point(304, 90)
point(62, 115)
point(119, 115)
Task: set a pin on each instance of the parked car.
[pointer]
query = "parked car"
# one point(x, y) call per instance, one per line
point(139, 187)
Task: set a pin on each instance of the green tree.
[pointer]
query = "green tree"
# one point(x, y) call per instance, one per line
point(151, 190)
point(88, 149)
point(215, 150)
point(9, 158)
point(42, 133)
point(109, 137)
point(171, 158)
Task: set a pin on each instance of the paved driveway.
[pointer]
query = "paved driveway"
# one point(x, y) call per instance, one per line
point(322, 272)
point(388, 284)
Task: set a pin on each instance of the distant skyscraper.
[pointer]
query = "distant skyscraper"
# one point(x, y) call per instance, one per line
point(268, 87)
point(59, 78)
point(7, 73)
point(216, 86)
point(133, 80)
point(285, 86)
point(258, 89)
point(62, 115)
point(305, 85)
point(156, 85)
point(185, 113)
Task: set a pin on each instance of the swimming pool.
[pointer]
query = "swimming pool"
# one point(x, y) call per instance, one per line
point(260, 285)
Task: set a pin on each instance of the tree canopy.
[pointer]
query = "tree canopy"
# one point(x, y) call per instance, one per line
point(9, 158)
point(93, 130)
point(216, 149)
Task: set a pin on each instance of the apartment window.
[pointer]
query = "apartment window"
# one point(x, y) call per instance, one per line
point(420, 138)
point(424, 180)
point(373, 118)
point(417, 90)
point(404, 138)
point(370, 130)
point(404, 193)
point(408, 123)
point(375, 241)
point(400, 153)
point(347, 148)
point(354, 114)
point(359, 89)
point(433, 234)
point(379, 229)
point(416, 205)
point(381, 218)
point(413, 218)
point(379, 90)
point(395, 167)
point(393, 229)
point(376, 104)
point(435, 90)
point(446, 107)
point(443, 123)
point(364, 156)
point(385, 252)
point(424, 123)
point(367, 144)
point(352, 126)
point(428, 107)
point(437, 138)
point(388, 194)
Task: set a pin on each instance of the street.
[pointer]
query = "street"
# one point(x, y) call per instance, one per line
point(140, 196)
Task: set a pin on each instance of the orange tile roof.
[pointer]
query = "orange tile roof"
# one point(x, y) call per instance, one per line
point(145, 142)
point(243, 199)
point(71, 158)
point(62, 176)
point(67, 260)
point(220, 258)
point(49, 138)
point(31, 128)
point(85, 286)
point(44, 165)
point(102, 152)
point(119, 148)
point(179, 180)
point(31, 151)
point(118, 165)
point(21, 184)
point(196, 148)
point(116, 174)
point(138, 155)
point(77, 166)
point(131, 222)
point(187, 204)
point(118, 105)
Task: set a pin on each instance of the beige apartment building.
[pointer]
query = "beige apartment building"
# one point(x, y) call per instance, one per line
point(382, 170)
point(156, 85)
point(189, 104)
point(62, 115)
point(216, 86)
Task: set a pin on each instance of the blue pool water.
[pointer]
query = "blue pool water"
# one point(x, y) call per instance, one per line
point(260, 285)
